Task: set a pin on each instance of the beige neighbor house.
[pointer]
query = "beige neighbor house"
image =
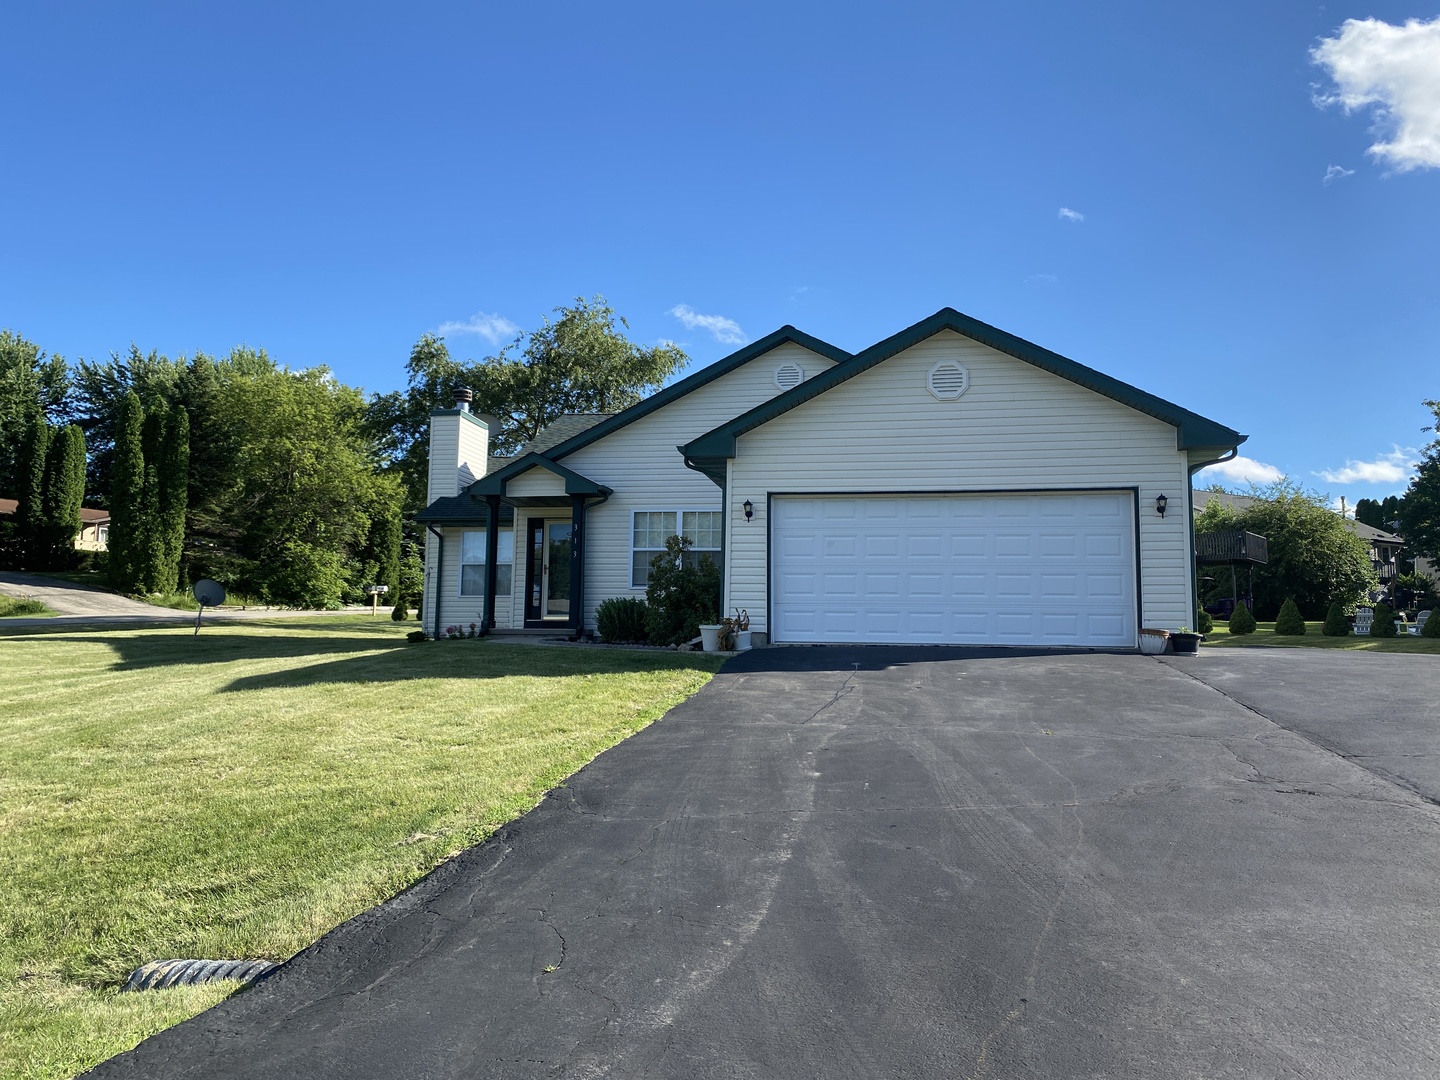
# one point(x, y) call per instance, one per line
point(950, 484)
point(94, 534)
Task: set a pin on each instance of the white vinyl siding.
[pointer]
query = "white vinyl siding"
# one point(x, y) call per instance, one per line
point(640, 463)
point(652, 528)
point(472, 563)
point(1016, 428)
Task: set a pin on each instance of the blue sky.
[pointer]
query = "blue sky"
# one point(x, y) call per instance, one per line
point(1140, 187)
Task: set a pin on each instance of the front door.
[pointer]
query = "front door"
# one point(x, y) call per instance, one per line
point(556, 585)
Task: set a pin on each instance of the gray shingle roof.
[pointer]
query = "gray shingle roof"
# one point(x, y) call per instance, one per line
point(560, 430)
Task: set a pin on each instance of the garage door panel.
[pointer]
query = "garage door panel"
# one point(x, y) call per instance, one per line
point(1002, 569)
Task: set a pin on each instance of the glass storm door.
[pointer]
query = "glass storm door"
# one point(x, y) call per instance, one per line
point(557, 569)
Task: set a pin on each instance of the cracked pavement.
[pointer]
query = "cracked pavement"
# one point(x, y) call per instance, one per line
point(899, 862)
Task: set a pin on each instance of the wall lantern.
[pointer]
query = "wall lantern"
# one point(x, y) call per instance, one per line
point(1160, 503)
point(749, 509)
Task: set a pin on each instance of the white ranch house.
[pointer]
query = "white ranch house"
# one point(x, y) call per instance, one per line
point(951, 484)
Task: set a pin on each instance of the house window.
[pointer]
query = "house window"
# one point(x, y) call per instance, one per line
point(653, 527)
point(472, 562)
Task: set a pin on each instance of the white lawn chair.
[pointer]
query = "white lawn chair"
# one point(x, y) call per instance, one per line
point(1419, 623)
point(1363, 618)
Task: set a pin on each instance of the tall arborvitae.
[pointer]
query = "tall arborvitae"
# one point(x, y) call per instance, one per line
point(127, 493)
point(174, 480)
point(385, 539)
point(64, 492)
point(150, 558)
point(30, 514)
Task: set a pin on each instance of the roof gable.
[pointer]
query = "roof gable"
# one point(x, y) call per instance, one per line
point(703, 377)
point(1192, 430)
point(575, 484)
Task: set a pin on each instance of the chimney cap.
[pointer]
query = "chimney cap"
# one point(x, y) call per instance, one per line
point(463, 396)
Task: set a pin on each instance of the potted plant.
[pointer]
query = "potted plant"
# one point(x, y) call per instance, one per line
point(1184, 642)
point(735, 631)
point(1153, 642)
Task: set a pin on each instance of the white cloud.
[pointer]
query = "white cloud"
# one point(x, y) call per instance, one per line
point(726, 331)
point(1391, 468)
point(493, 328)
point(1070, 215)
point(1047, 279)
point(1242, 470)
point(1397, 70)
point(1337, 172)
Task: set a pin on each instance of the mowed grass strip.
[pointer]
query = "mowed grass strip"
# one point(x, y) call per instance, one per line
point(1313, 639)
point(240, 793)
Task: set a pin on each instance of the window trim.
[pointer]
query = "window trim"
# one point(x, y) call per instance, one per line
point(679, 513)
point(460, 564)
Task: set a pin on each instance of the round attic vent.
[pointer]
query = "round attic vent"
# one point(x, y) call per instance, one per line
point(948, 380)
point(788, 375)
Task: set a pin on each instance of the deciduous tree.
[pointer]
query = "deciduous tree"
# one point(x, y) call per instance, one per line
point(1313, 556)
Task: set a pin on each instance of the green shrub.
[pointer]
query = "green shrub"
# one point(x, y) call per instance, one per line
point(1431, 627)
point(18, 606)
point(1241, 621)
point(1336, 625)
point(416, 635)
point(1384, 624)
point(401, 611)
point(684, 591)
point(1290, 622)
point(1206, 623)
point(621, 619)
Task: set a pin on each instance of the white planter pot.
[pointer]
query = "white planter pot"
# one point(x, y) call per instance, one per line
point(742, 640)
point(1153, 644)
point(710, 638)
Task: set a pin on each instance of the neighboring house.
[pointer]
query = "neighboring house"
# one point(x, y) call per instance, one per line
point(94, 532)
point(950, 484)
point(1384, 546)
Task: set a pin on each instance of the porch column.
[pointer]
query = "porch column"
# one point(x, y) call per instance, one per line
point(492, 553)
point(577, 563)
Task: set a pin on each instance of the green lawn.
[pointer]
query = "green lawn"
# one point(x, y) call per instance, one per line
point(1314, 639)
point(239, 793)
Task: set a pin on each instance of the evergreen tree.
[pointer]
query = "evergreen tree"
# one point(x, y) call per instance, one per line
point(127, 491)
point(64, 492)
point(1368, 512)
point(1241, 621)
point(1290, 621)
point(30, 514)
point(385, 540)
point(1383, 624)
point(174, 480)
point(1336, 625)
point(150, 555)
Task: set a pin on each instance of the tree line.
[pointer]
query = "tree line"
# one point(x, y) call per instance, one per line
point(286, 486)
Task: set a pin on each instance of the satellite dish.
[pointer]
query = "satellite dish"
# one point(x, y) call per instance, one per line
point(209, 593)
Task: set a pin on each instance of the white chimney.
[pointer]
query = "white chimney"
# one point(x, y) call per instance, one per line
point(459, 449)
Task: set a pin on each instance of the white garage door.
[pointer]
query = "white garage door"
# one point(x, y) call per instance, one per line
point(1030, 569)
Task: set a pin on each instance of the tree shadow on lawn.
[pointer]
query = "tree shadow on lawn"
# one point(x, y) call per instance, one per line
point(177, 647)
point(475, 660)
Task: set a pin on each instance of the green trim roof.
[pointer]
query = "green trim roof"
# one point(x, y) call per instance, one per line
point(460, 510)
point(1193, 431)
point(575, 484)
point(707, 374)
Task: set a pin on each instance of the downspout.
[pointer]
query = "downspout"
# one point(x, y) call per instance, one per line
point(724, 523)
point(439, 575)
point(1190, 509)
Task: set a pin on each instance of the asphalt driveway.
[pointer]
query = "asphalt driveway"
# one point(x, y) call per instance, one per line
point(914, 863)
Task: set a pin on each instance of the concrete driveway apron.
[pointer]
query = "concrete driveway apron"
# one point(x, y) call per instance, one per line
point(896, 863)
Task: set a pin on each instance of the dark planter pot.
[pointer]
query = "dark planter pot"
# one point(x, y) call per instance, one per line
point(1184, 644)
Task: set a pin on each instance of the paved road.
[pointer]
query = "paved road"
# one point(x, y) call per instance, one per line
point(82, 604)
point(906, 863)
